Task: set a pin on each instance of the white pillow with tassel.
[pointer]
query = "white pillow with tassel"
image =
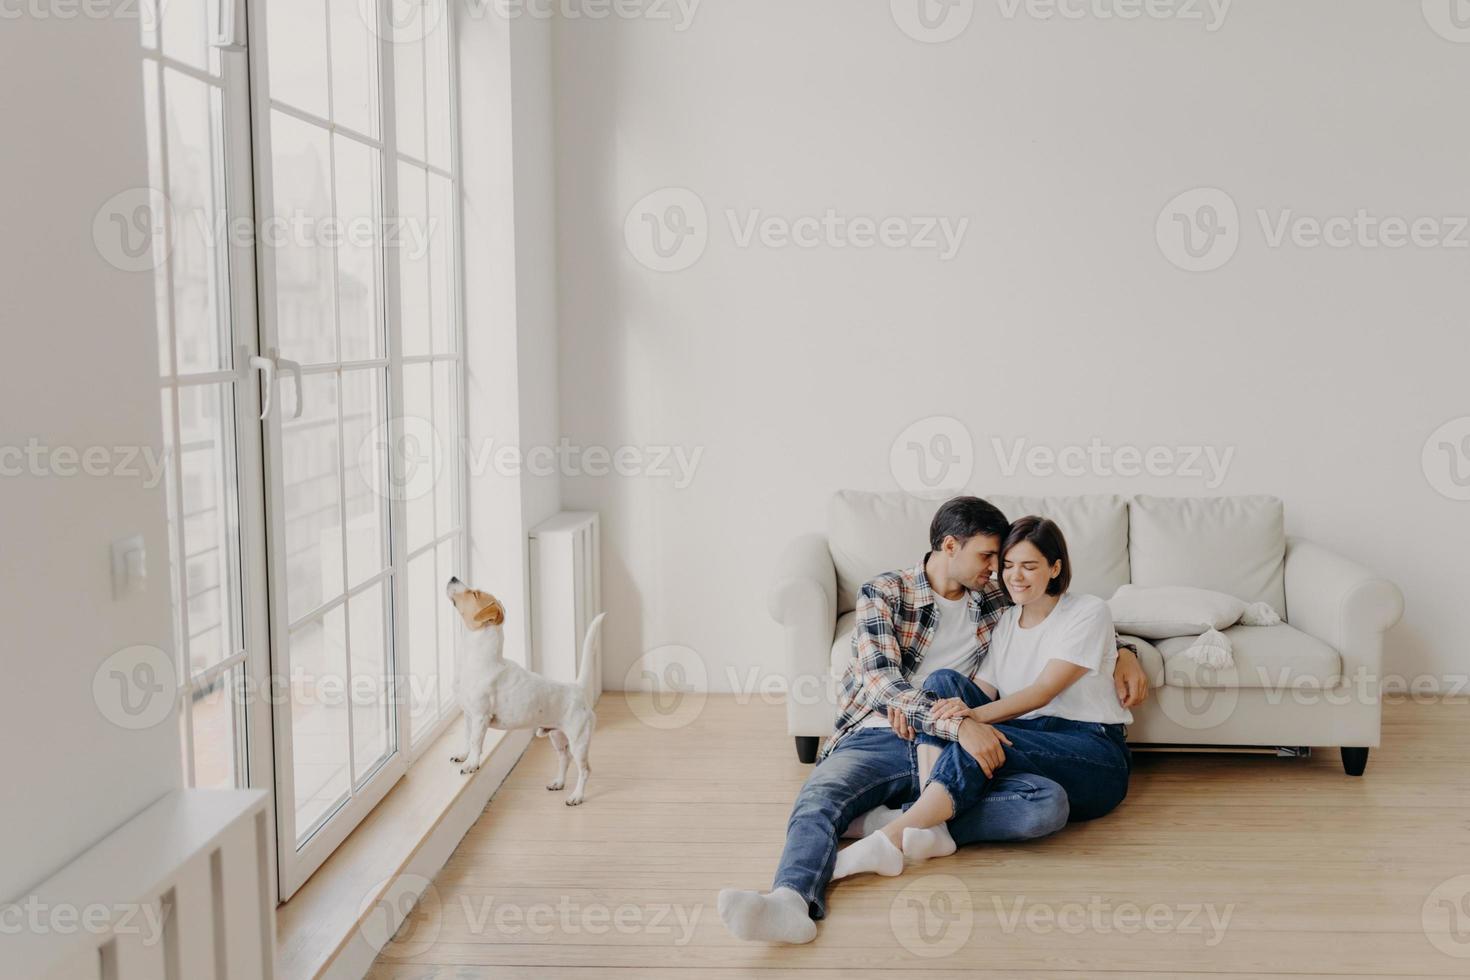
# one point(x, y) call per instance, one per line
point(1157, 613)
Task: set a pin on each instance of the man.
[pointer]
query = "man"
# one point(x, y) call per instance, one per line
point(911, 623)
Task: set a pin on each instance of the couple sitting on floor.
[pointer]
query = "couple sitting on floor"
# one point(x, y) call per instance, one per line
point(985, 710)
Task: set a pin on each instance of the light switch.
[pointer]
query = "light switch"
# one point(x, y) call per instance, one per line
point(129, 566)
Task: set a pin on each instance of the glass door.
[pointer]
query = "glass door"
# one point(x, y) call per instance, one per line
point(197, 111)
point(323, 194)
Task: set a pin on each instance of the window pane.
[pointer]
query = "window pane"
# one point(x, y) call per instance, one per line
point(408, 80)
point(170, 457)
point(362, 441)
point(359, 293)
point(413, 263)
point(372, 713)
point(437, 80)
point(305, 293)
point(441, 263)
point(447, 447)
point(423, 663)
point(149, 17)
point(449, 622)
point(216, 717)
point(196, 197)
point(156, 151)
point(318, 719)
point(211, 573)
point(354, 66)
point(296, 44)
point(416, 453)
point(185, 26)
point(313, 517)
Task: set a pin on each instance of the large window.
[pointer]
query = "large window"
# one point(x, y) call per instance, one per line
point(317, 513)
point(204, 285)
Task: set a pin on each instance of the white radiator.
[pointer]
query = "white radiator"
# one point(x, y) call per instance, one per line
point(180, 892)
point(566, 591)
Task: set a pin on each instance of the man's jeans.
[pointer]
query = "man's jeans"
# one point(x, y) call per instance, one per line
point(873, 767)
point(1090, 761)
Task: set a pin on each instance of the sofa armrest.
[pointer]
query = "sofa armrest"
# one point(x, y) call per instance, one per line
point(1342, 603)
point(803, 599)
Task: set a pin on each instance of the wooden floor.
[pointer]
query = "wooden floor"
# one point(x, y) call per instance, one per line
point(1214, 866)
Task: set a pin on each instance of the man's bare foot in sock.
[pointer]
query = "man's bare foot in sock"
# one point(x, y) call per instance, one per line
point(874, 853)
point(875, 819)
point(778, 916)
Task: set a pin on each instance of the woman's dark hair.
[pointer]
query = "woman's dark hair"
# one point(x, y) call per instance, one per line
point(965, 517)
point(1048, 539)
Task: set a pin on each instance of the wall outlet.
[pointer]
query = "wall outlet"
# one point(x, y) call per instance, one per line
point(129, 566)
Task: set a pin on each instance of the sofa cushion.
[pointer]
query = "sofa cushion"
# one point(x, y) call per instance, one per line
point(1235, 545)
point(1149, 657)
point(842, 644)
point(1279, 657)
point(870, 533)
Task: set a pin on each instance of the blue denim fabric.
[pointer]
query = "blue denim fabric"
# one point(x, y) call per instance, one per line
point(1089, 760)
point(873, 767)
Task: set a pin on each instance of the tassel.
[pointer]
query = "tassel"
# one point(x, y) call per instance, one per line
point(1212, 649)
point(1259, 614)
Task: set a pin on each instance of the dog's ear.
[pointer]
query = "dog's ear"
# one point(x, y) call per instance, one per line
point(491, 613)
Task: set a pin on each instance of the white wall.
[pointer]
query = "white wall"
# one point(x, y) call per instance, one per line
point(81, 370)
point(1059, 320)
point(510, 295)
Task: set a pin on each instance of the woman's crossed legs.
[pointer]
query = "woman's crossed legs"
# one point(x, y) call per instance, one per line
point(1088, 760)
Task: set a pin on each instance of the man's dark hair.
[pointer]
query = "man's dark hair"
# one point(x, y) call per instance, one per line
point(1047, 538)
point(965, 517)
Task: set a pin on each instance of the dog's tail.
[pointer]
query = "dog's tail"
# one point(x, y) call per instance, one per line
point(590, 673)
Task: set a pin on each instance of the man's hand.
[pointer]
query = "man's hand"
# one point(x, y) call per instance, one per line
point(900, 724)
point(983, 743)
point(1129, 679)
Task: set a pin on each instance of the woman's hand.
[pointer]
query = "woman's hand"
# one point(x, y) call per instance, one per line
point(949, 708)
point(1129, 679)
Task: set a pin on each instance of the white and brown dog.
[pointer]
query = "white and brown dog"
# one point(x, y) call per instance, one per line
point(496, 693)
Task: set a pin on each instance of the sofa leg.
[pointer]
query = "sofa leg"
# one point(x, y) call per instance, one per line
point(1354, 760)
point(806, 748)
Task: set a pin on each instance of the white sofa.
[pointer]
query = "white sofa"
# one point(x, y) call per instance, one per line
point(1311, 681)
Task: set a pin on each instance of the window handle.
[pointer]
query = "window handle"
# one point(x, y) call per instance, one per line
point(294, 369)
point(229, 25)
point(266, 366)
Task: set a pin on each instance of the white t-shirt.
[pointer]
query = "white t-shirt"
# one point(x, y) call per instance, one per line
point(1079, 631)
point(951, 645)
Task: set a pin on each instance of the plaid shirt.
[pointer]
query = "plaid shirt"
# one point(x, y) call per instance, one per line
point(896, 620)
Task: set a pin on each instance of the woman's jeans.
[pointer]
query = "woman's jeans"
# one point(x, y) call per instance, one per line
point(1090, 761)
point(873, 767)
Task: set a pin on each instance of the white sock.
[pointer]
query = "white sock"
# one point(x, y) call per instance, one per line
point(778, 916)
point(875, 819)
point(923, 843)
point(874, 852)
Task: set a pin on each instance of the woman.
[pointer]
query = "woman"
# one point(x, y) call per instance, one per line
point(1047, 688)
